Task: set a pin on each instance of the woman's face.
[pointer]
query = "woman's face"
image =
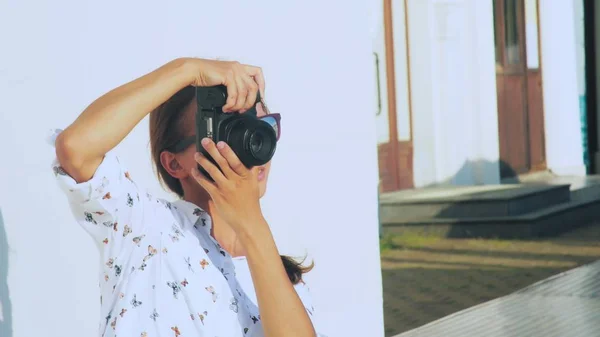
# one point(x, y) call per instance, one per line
point(184, 161)
point(263, 173)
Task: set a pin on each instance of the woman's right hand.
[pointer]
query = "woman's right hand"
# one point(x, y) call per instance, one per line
point(243, 81)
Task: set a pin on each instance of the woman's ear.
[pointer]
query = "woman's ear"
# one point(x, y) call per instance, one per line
point(172, 165)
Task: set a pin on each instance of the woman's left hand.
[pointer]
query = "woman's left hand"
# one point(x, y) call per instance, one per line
point(235, 192)
point(235, 189)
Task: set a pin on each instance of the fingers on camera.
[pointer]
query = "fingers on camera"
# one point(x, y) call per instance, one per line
point(242, 89)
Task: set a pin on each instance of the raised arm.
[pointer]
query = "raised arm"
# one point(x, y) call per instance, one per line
point(81, 147)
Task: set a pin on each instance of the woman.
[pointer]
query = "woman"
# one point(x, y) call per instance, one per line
point(167, 268)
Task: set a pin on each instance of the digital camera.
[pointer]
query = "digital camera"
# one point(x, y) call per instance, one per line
point(253, 141)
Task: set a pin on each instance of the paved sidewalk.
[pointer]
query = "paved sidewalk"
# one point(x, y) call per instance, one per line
point(567, 304)
point(425, 279)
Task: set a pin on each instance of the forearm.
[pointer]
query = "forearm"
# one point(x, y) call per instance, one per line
point(281, 310)
point(110, 118)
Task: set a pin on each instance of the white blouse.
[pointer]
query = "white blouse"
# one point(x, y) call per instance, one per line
point(161, 272)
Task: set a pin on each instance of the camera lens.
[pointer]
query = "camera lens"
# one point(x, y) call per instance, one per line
point(256, 142)
point(253, 141)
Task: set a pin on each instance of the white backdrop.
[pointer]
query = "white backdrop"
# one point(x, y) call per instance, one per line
point(57, 57)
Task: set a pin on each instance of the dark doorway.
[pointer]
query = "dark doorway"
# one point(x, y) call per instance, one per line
point(519, 87)
point(589, 26)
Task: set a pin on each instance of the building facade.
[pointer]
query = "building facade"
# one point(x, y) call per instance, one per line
point(475, 91)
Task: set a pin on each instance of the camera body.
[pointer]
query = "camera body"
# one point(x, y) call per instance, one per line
point(253, 141)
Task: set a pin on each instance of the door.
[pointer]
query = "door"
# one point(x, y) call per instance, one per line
point(396, 156)
point(519, 87)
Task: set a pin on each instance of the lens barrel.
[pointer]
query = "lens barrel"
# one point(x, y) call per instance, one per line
point(253, 141)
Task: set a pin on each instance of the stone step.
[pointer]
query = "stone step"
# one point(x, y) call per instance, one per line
point(546, 222)
point(474, 202)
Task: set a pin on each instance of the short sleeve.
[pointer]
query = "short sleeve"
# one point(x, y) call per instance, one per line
point(108, 206)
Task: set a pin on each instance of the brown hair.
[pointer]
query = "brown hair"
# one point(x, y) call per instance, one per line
point(166, 129)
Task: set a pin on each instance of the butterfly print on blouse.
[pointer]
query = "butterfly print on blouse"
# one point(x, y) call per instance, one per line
point(59, 171)
point(100, 189)
point(203, 263)
point(151, 252)
point(189, 264)
point(108, 317)
point(126, 230)
point(218, 246)
point(202, 316)
point(109, 224)
point(138, 239)
point(233, 304)
point(203, 223)
point(90, 218)
point(177, 233)
point(134, 302)
point(175, 287)
point(154, 315)
point(129, 200)
point(214, 294)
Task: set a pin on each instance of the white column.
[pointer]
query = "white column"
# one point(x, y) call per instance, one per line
point(453, 81)
point(483, 85)
point(420, 53)
point(564, 151)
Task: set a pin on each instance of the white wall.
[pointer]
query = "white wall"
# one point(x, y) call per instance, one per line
point(578, 20)
point(453, 81)
point(564, 151)
point(57, 57)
